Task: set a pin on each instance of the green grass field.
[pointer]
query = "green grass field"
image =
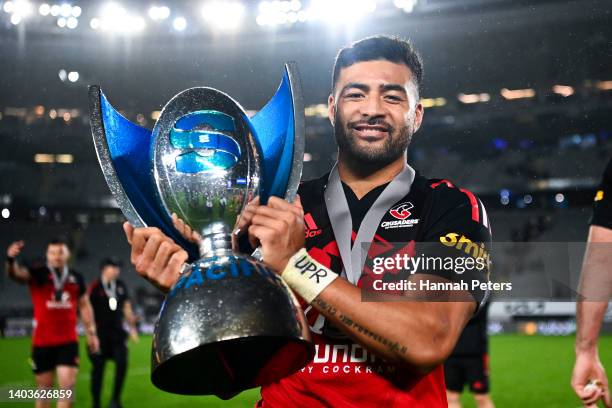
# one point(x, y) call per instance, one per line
point(525, 372)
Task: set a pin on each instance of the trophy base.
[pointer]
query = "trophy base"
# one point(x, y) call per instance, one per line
point(229, 367)
point(228, 325)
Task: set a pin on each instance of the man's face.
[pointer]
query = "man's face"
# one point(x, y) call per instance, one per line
point(57, 255)
point(375, 111)
point(111, 272)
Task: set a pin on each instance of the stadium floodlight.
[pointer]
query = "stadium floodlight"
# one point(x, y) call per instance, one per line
point(61, 22)
point(72, 22)
point(63, 75)
point(73, 76)
point(273, 13)
point(340, 11)
point(19, 9)
point(159, 13)
point(65, 10)
point(223, 16)
point(406, 5)
point(115, 18)
point(179, 24)
point(8, 7)
point(76, 11)
point(55, 10)
point(44, 9)
point(6, 213)
point(94, 23)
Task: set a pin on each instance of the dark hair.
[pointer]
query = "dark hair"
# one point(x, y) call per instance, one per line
point(380, 47)
point(110, 262)
point(58, 241)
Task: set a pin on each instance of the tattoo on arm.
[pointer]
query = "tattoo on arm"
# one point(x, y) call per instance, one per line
point(392, 346)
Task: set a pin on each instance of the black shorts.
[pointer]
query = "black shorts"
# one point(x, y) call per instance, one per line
point(470, 370)
point(46, 358)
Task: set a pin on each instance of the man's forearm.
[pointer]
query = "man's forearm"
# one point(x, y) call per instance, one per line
point(589, 317)
point(87, 318)
point(130, 317)
point(15, 271)
point(595, 288)
point(416, 333)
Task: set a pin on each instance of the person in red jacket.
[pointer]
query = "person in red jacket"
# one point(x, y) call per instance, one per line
point(367, 354)
point(58, 292)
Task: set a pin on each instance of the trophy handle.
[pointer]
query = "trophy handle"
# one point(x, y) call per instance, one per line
point(299, 130)
point(105, 159)
point(123, 150)
point(280, 131)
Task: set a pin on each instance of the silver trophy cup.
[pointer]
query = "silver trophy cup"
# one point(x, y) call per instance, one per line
point(229, 323)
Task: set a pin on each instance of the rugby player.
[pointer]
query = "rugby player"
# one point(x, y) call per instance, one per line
point(595, 289)
point(57, 293)
point(368, 354)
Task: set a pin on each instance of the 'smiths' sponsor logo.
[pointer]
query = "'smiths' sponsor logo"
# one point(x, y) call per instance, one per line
point(460, 242)
point(402, 211)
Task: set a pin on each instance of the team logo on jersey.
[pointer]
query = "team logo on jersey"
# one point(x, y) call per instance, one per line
point(401, 211)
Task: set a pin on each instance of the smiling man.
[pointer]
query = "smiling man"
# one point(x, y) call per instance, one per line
point(376, 353)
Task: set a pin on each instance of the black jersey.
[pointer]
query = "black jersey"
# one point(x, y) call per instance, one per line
point(108, 313)
point(435, 214)
point(342, 372)
point(602, 207)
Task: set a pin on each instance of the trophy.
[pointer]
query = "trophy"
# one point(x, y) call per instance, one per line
point(229, 323)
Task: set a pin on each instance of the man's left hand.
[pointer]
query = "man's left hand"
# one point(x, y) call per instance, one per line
point(279, 227)
point(93, 343)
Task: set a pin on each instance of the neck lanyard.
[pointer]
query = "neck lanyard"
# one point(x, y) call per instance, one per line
point(58, 283)
point(111, 293)
point(353, 259)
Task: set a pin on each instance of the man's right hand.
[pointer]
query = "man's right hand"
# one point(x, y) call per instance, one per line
point(14, 249)
point(588, 369)
point(155, 256)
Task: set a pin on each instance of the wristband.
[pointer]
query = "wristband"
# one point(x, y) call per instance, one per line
point(11, 260)
point(306, 276)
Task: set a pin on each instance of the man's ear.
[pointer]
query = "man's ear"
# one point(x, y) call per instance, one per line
point(419, 111)
point(331, 109)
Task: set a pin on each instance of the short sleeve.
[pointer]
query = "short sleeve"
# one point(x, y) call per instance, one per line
point(125, 291)
point(457, 242)
point(80, 281)
point(602, 205)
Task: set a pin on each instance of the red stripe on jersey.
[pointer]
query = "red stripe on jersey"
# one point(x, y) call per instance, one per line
point(473, 203)
point(448, 184)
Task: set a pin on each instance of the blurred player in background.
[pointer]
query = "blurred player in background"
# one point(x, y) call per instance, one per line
point(469, 364)
point(109, 298)
point(57, 292)
point(589, 377)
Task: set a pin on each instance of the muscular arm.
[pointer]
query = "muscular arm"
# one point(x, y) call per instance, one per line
point(595, 288)
point(418, 334)
point(17, 272)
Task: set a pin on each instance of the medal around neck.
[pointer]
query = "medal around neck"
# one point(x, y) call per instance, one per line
point(229, 323)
